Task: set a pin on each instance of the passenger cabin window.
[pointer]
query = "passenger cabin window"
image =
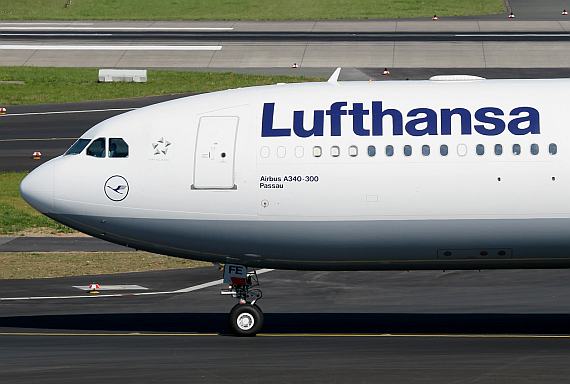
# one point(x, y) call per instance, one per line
point(335, 151)
point(97, 148)
point(516, 149)
point(118, 148)
point(389, 151)
point(353, 151)
point(534, 149)
point(498, 149)
point(371, 151)
point(480, 149)
point(552, 149)
point(443, 150)
point(407, 150)
point(462, 150)
point(317, 151)
point(425, 150)
point(78, 147)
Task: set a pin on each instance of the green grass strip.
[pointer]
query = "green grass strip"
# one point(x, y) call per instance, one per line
point(240, 9)
point(57, 85)
point(35, 265)
point(16, 215)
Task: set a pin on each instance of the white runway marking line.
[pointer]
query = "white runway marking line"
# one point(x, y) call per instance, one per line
point(517, 35)
point(113, 47)
point(68, 23)
point(58, 34)
point(183, 290)
point(64, 112)
point(41, 139)
point(71, 28)
point(121, 287)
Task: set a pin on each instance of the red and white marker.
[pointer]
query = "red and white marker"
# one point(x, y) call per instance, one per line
point(36, 155)
point(386, 72)
point(564, 12)
point(295, 65)
point(435, 17)
point(94, 287)
point(2, 111)
point(512, 16)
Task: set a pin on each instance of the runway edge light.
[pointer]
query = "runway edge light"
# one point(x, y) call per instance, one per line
point(564, 12)
point(435, 17)
point(2, 111)
point(512, 16)
point(386, 72)
point(36, 155)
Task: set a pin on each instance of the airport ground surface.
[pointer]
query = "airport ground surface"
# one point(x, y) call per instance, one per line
point(421, 326)
point(369, 327)
point(391, 44)
point(537, 37)
point(58, 244)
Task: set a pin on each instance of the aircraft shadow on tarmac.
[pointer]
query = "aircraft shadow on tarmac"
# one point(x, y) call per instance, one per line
point(287, 323)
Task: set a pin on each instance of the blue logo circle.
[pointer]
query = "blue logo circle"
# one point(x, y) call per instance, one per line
point(116, 188)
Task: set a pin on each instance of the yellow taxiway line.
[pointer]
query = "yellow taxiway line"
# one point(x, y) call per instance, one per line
point(292, 335)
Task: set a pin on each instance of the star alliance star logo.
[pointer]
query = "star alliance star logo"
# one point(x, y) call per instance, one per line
point(161, 146)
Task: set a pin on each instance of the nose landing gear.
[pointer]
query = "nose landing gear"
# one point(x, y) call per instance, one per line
point(246, 318)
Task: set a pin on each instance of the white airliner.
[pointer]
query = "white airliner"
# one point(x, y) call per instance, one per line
point(450, 173)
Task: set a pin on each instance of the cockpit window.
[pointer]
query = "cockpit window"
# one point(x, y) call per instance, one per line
point(97, 148)
point(118, 148)
point(77, 147)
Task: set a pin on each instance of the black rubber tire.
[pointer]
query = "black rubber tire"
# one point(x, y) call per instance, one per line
point(245, 320)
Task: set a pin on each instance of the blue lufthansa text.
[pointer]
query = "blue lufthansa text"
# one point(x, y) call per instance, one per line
point(488, 121)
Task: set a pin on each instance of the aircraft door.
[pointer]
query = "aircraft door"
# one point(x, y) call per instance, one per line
point(215, 153)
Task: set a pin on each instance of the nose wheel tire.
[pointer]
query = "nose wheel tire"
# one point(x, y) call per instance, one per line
point(245, 320)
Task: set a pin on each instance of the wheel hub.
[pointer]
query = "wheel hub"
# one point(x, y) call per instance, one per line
point(245, 321)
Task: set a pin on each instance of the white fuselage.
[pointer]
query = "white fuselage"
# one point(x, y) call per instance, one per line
point(335, 176)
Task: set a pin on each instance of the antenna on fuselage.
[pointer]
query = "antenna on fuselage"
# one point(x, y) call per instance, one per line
point(334, 77)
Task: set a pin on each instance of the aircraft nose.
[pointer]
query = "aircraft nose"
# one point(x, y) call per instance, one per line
point(37, 188)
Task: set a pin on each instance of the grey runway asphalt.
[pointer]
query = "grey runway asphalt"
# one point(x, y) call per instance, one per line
point(293, 359)
point(537, 10)
point(369, 327)
point(59, 244)
point(49, 37)
point(537, 37)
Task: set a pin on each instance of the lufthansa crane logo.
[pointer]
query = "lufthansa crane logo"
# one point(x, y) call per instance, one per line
point(161, 146)
point(116, 188)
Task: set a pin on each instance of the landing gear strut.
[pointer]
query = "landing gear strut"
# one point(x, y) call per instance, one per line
point(246, 318)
